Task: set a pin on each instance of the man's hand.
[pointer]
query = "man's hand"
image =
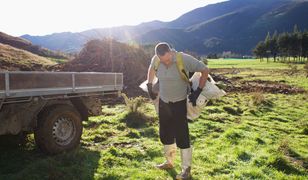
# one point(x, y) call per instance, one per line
point(194, 96)
point(150, 92)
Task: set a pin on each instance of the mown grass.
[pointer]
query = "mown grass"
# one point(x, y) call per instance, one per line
point(236, 137)
point(248, 63)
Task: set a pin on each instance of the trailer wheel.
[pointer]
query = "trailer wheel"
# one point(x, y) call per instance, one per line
point(59, 129)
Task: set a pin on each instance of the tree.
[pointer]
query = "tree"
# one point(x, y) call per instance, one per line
point(295, 43)
point(260, 50)
point(305, 45)
point(271, 45)
point(283, 44)
point(267, 44)
point(274, 45)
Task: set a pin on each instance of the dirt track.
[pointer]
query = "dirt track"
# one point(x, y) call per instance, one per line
point(236, 84)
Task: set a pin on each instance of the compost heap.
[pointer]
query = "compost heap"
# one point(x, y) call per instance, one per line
point(108, 55)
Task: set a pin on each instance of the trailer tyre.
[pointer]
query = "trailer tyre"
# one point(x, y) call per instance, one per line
point(59, 129)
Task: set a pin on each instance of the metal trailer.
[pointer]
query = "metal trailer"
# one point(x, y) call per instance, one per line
point(53, 104)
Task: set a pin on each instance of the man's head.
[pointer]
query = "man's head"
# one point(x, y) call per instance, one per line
point(163, 51)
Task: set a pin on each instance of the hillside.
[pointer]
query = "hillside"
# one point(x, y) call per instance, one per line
point(14, 59)
point(73, 42)
point(21, 43)
point(235, 25)
point(238, 26)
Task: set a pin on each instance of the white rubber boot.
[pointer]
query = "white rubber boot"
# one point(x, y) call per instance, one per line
point(169, 152)
point(186, 157)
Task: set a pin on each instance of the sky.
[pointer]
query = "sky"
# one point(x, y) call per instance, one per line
point(42, 17)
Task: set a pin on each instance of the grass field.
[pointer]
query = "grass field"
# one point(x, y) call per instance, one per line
point(255, 70)
point(240, 136)
point(248, 63)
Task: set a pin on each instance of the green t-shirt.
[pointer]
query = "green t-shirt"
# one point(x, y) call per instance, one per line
point(172, 87)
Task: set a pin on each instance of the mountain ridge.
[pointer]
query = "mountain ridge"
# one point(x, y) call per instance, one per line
point(235, 25)
point(21, 43)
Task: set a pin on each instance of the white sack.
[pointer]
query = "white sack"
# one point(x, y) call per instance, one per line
point(210, 91)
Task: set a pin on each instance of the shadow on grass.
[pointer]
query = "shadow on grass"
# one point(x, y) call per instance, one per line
point(150, 132)
point(264, 107)
point(234, 137)
point(282, 164)
point(292, 155)
point(269, 128)
point(28, 162)
point(172, 173)
point(237, 111)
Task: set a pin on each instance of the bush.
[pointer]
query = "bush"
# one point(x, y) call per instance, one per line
point(258, 98)
point(293, 69)
point(133, 103)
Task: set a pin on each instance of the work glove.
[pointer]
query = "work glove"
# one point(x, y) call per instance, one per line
point(150, 91)
point(194, 96)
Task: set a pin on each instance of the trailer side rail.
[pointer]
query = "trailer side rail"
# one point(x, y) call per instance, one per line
point(27, 84)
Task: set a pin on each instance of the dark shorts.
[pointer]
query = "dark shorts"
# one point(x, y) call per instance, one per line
point(173, 124)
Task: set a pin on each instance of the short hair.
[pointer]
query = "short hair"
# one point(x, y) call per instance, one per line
point(162, 48)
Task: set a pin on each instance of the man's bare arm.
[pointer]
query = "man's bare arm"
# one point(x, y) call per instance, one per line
point(151, 75)
point(203, 78)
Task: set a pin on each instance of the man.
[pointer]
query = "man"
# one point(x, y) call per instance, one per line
point(173, 91)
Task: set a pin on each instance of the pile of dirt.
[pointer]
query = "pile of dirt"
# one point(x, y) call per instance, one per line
point(13, 59)
point(235, 84)
point(108, 55)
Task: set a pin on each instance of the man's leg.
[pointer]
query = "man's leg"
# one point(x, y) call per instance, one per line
point(166, 126)
point(179, 111)
point(186, 157)
point(169, 153)
point(167, 135)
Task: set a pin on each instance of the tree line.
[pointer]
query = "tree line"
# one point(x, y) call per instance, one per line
point(284, 47)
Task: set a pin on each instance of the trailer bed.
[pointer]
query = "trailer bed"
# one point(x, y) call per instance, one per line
point(28, 84)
